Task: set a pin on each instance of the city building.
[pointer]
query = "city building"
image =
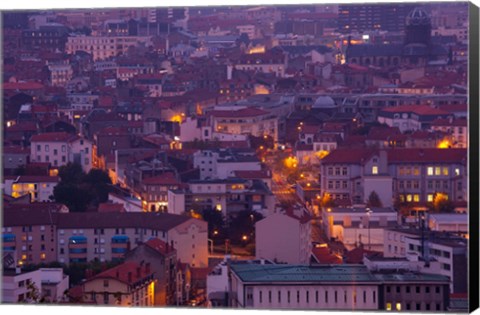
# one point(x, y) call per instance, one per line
point(319, 287)
point(162, 259)
point(39, 188)
point(61, 148)
point(357, 226)
point(272, 243)
point(44, 284)
point(128, 284)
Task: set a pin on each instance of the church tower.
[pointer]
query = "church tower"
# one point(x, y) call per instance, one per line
point(418, 28)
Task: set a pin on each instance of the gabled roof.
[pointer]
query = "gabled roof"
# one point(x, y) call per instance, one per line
point(54, 137)
point(244, 112)
point(348, 156)
point(164, 179)
point(126, 272)
point(159, 246)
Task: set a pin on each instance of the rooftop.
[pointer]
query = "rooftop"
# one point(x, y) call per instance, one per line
point(255, 273)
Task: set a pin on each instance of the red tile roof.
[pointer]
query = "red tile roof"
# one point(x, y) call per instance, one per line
point(253, 174)
point(164, 179)
point(355, 256)
point(54, 137)
point(200, 273)
point(159, 246)
point(23, 126)
point(417, 109)
point(427, 155)
point(244, 112)
point(122, 272)
point(111, 207)
point(448, 122)
point(22, 86)
point(348, 156)
point(324, 256)
point(15, 150)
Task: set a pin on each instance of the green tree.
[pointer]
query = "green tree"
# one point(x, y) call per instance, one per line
point(374, 200)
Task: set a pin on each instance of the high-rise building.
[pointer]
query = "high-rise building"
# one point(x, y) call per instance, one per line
point(369, 17)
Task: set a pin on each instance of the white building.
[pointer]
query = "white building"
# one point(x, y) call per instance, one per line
point(221, 164)
point(354, 226)
point(273, 243)
point(456, 223)
point(60, 148)
point(51, 284)
point(40, 188)
point(60, 74)
point(303, 287)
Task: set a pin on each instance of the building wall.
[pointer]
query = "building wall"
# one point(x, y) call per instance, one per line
point(414, 297)
point(190, 240)
point(15, 288)
point(274, 244)
point(346, 294)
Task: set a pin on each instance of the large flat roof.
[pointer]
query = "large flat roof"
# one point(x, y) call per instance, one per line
point(303, 273)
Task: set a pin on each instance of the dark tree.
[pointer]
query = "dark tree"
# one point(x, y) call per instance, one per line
point(374, 200)
point(215, 221)
point(71, 173)
point(243, 223)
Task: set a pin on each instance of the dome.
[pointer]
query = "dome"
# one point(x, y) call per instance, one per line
point(418, 17)
point(324, 102)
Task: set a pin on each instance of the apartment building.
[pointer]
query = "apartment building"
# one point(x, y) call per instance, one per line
point(411, 117)
point(154, 192)
point(61, 148)
point(104, 47)
point(244, 120)
point(229, 196)
point(457, 128)
point(272, 243)
point(268, 62)
point(46, 235)
point(162, 258)
point(222, 163)
point(413, 174)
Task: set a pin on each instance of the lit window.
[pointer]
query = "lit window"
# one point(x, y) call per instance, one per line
point(389, 307)
point(457, 172)
point(399, 306)
point(445, 171)
point(416, 198)
point(429, 171)
point(375, 170)
point(42, 256)
point(438, 170)
point(409, 198)
point(430, 198)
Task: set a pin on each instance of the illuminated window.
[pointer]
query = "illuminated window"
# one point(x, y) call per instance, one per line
point(438, 170)
point(457, 171)
point(398, 306)
point(416, 198)
point(416, 171)
point(430, 198)
point(375, 170)
point(445, 171)
point(42, 256)
point(429, 171)
point(24, 257)
point(389, 307)
point(409, 198)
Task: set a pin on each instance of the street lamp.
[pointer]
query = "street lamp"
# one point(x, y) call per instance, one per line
point(369, 212)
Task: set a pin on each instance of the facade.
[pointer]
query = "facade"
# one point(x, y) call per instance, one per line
point(61, 148)
point(457, 128)
point(229, 196)
point(269, 62)
point(154, 192)
point(162, 259)
point(221, 164)
point(323, 287)
point(103, 47)
point(45, 235)
point(411, 117)
point(128, 284)
point(51, 284)
point(244, 120)
point(359, 226)
point(413, 175)
point(39, 188)
point(272, 243)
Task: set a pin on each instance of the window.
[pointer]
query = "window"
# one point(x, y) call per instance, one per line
point(279, 296)
point(64, 149)
point(427, 289)
point(47, 148)
point(335, 297)
point(388, 289)
point(288, 296)
point(316, 296)
point(388, 307)
point(269, 296)
point(298, 296)
point(416, 171)
point(260, 296)
point(326, 296)
point(105, 283)
point(429, 171)
point(344, 171)
point(307, 297)
point(457, 171)
point(418, 306)
point(398, 287)
point(417, 289)
point(55, 152)
point(330, 171)
point(398, 306)
point(437, 289)
point(374, 170)
point(438, 170)
point(445, 171)
point(407, 289)
point(430, 198)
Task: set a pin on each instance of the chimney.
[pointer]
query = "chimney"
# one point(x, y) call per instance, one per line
point(147, 268)
point(129, 277)
point(139, 269)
